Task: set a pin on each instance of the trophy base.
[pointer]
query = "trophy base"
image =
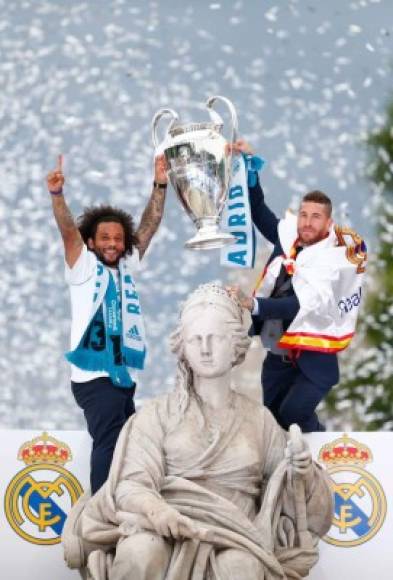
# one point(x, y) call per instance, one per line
point(209, 239)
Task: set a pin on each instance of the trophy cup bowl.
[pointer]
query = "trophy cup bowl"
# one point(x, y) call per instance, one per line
point(199, 162)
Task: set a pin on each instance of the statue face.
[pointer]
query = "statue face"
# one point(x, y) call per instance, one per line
point(207, 341)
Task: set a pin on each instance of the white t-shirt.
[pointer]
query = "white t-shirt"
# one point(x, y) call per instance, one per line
point(81, 280)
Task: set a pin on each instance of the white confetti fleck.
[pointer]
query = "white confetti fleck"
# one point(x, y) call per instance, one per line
point(354, 29)
point(272, 14)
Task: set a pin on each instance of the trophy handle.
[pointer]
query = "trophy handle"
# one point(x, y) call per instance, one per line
point(163, 113)
point(215, 117)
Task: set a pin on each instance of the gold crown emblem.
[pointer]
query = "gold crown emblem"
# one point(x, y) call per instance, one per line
point(356, 250)
point(44, 449)
point(345, 450)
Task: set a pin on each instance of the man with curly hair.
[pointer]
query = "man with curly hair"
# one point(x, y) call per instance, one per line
point(102, 253)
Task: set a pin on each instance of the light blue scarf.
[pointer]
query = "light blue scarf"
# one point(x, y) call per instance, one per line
point(114, 338)
point(236, 217)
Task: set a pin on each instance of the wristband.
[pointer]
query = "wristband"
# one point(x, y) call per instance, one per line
point(253, 165)
point(56, 192)
point(159, 185)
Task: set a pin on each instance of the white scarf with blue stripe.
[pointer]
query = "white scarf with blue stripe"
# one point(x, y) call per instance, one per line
point(236, 217)
point(114, 339)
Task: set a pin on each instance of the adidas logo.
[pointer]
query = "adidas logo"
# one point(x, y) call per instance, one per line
point(133, 333)
point(235, 166)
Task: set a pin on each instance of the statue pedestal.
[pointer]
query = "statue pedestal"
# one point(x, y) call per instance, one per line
point(33, 513)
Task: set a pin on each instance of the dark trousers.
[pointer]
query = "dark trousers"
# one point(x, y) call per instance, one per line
point(290, 395)
point(106, 409)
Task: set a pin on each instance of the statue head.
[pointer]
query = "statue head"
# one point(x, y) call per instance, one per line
point(210, 338)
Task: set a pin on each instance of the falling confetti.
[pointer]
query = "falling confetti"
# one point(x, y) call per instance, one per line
point(87, 83)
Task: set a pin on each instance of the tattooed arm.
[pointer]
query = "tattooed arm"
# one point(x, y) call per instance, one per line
point(72, 239)
point(152, 215)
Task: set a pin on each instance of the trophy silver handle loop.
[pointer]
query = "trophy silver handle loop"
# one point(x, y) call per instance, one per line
point(157, 117)
point(215, 117)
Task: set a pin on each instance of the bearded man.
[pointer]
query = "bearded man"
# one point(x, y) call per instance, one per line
point(306, 303)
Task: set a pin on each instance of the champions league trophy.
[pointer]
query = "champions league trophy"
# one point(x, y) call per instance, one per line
point(199, 162)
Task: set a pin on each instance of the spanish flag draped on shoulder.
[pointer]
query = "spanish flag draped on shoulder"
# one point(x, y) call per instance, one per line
point(327, 279)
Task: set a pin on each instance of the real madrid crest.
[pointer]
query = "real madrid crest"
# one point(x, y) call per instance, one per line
point(359, 500)
point(356, 249)
point(39, 497)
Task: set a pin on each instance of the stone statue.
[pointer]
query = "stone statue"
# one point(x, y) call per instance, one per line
point(204, 484)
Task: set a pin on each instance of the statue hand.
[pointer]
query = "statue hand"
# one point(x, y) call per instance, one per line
point(298, 452)
point(169, 522)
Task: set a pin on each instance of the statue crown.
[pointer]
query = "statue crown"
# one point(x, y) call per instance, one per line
point(216, 296)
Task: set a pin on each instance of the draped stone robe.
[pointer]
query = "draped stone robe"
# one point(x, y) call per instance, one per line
point(233, 481)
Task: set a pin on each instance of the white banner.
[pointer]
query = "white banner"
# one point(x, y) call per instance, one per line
point(42, 475)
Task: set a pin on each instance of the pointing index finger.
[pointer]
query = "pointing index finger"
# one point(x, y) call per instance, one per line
point(60, 163)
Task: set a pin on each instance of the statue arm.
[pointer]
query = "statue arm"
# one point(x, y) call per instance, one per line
point(142, 476)
point(317, 490)
point(319, 501)
point(279, 446)
point(143, 469)
point(274, 441)
point(311, 509)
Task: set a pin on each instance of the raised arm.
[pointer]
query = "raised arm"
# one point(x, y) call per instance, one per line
point(152, 215)
point(263, 217)
point(72, 239)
